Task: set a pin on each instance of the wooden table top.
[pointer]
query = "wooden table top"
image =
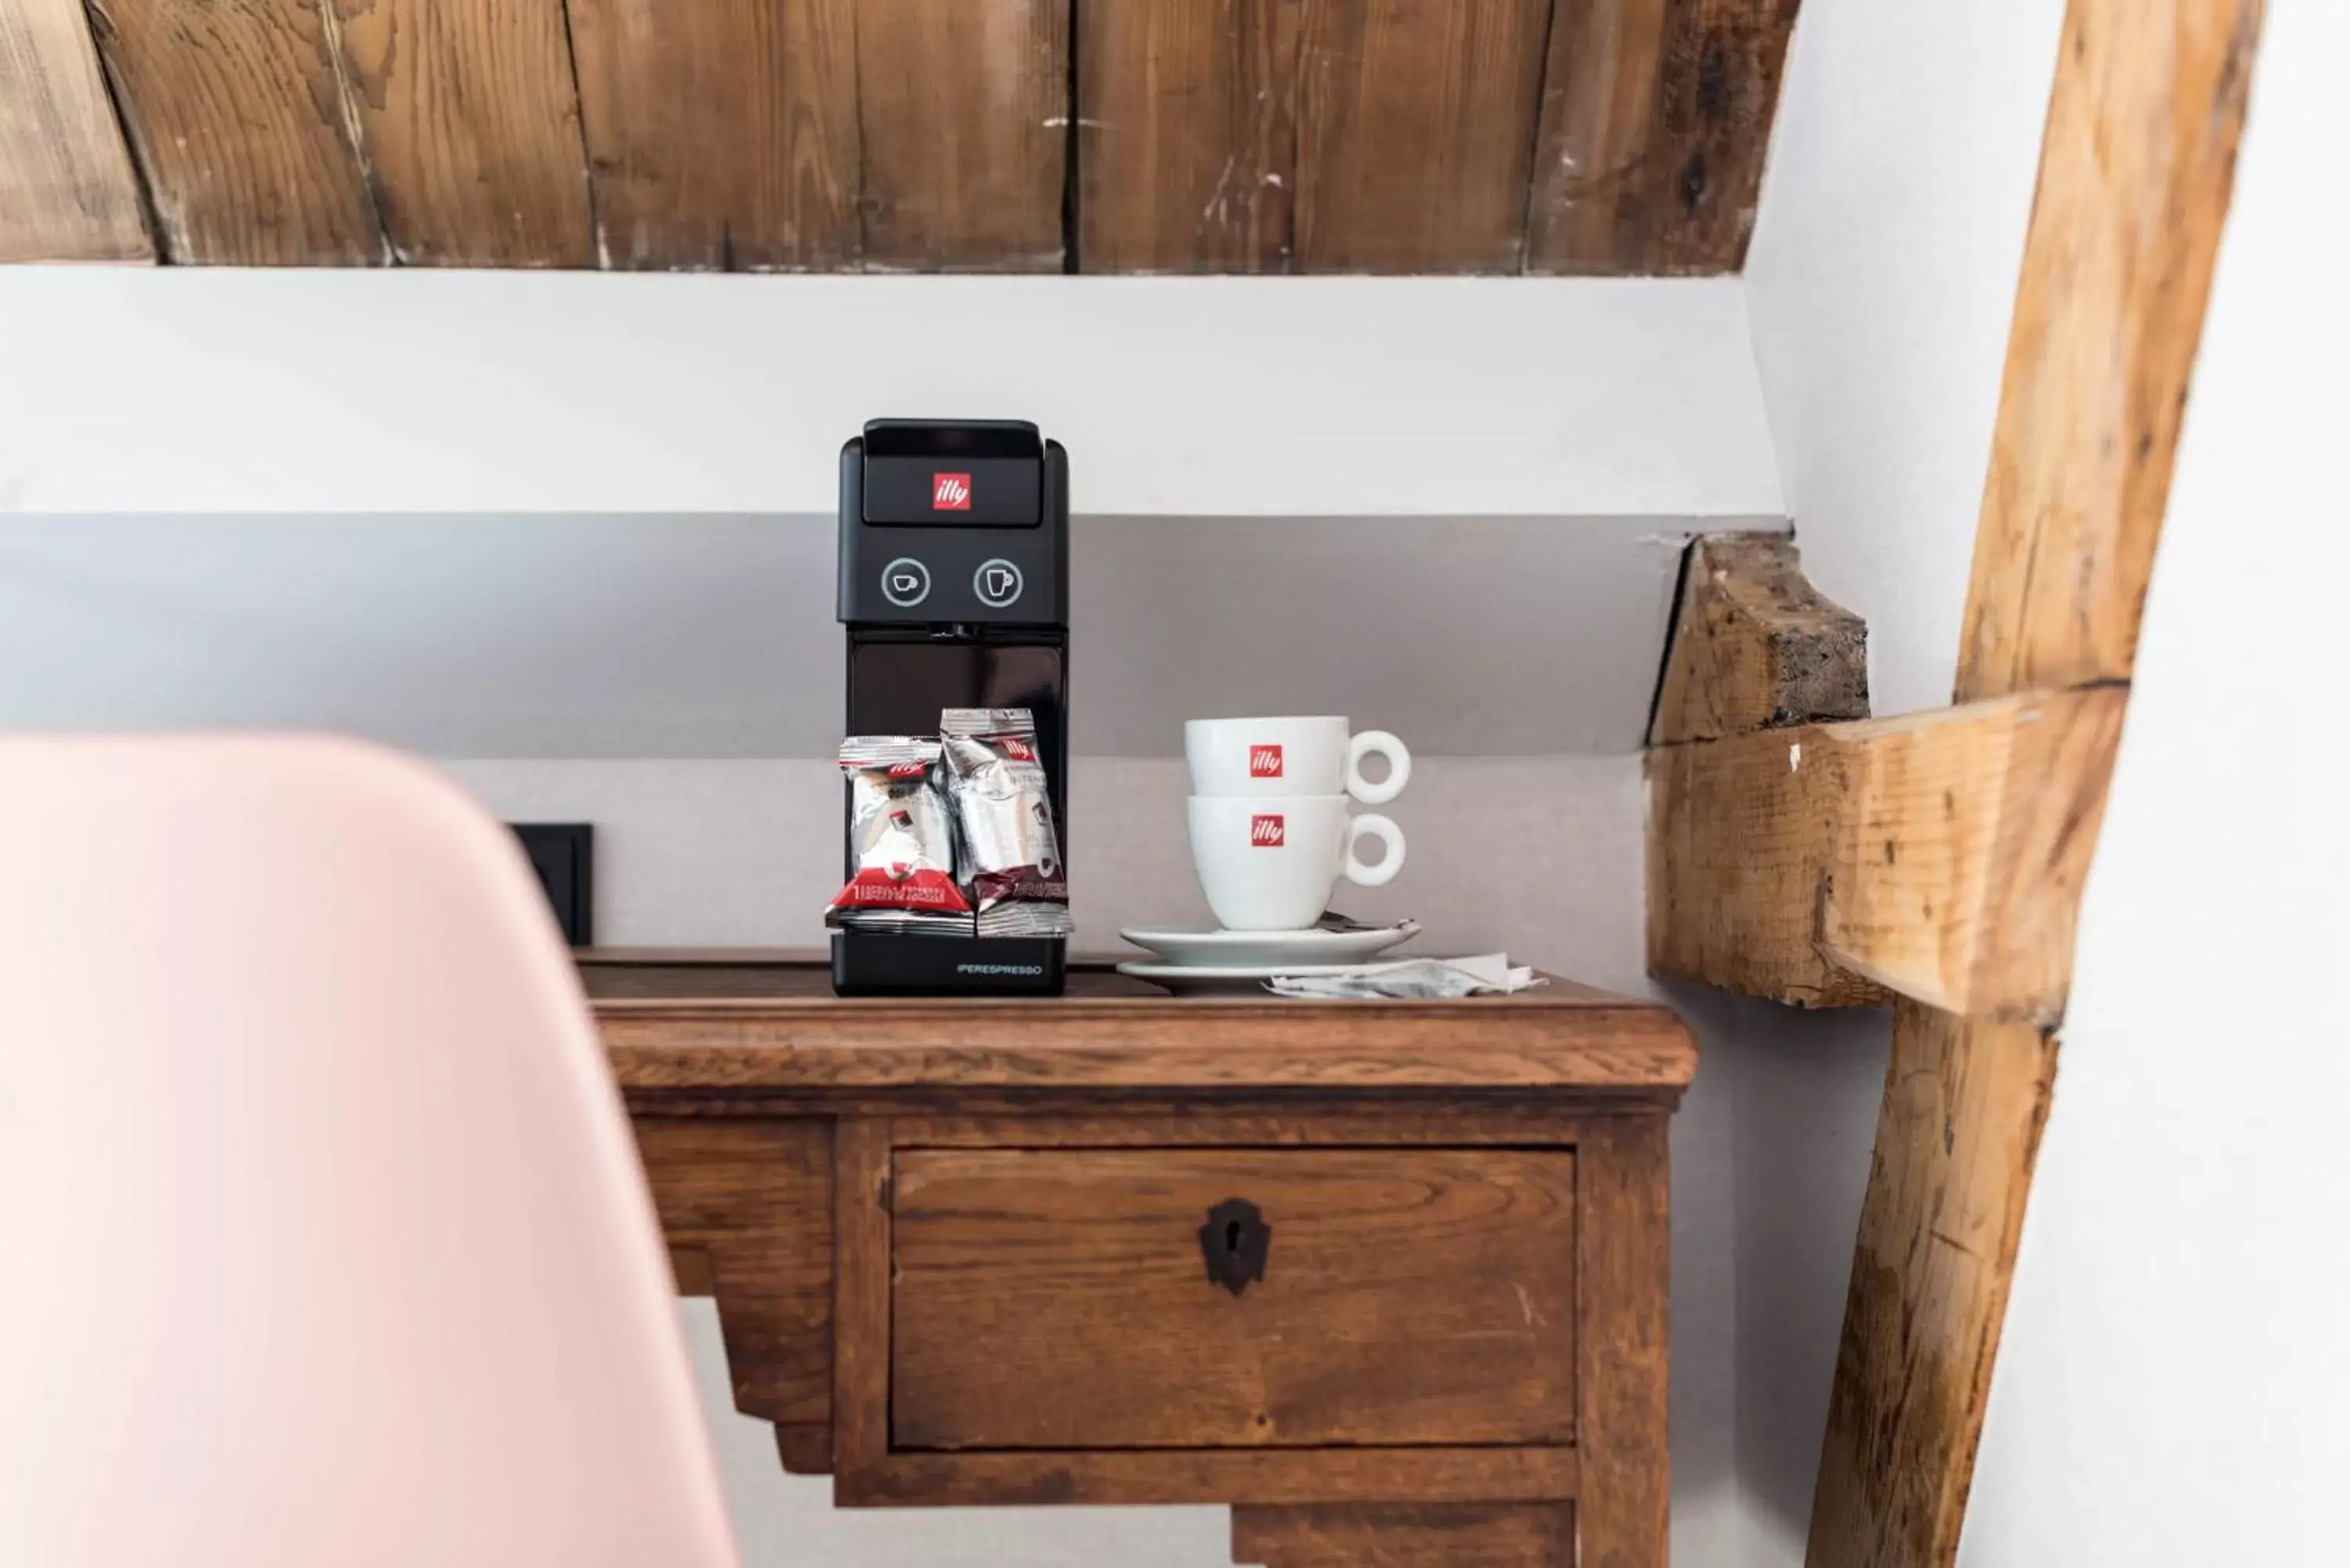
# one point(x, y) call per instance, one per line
point(762, 1019)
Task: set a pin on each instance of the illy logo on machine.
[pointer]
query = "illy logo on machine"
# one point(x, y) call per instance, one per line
point(951, 492)
point(1264, 762)
point(1268, 831)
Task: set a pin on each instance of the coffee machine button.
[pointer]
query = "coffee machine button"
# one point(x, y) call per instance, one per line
point(997, 583)
point(905, 582)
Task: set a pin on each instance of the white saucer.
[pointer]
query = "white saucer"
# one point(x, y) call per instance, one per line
point(1196, 949)
point(1224, 980)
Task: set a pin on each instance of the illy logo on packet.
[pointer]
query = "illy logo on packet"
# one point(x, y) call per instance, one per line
point(1268, 831)
point(951, 492)
point(1264, 762)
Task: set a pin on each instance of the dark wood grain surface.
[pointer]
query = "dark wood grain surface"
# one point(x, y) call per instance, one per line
point(1238, 1476)
point(963, 108)
point(255, 160)
point(746, 1207)
point(1140, 136)
point(956, 1248)
point(1186, 140)
point(1386, 1535)
point(1624, 1196)
point(1656, 116)
point(470, 124)
point(772, 81)
point(715, 1023)
point(1409, 1296)
point(1412, 134)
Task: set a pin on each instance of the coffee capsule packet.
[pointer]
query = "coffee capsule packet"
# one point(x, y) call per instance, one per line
point(1009, 854)
point(900, 841)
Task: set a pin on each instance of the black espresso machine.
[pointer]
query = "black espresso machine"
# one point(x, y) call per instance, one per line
point(955, 586)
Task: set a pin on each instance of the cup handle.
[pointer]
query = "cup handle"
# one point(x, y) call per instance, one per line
point(1387, 832)
point(1399, 767)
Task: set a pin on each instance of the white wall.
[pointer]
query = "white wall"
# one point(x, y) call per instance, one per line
point(1881, 283)
point(2171, 1383)
point(1539, 856)
point(709, 635)
point(1342, 414)
point(2174, 1378)
point(213, 390)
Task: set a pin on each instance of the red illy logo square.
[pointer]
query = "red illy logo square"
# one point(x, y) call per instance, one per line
point(1264, 762)
point(951, 492)
point(1268, 831)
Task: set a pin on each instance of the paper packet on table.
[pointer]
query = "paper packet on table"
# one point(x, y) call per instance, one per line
point(1413, 979)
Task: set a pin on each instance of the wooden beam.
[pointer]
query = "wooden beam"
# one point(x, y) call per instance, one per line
point(964, 112)
point(1413, 150)
point(2135, 176)
point(251, 159)
point(724, 138)
point(469, 126)
point(71, 194)
point(1187, 141)
point(1965, 1102)
point(1935, 855)
point(1656, 115)
point(1755, 647)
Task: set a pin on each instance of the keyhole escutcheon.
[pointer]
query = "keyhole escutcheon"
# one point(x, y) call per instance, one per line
point(1235, 1243)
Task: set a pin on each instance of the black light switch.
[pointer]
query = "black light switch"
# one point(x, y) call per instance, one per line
point(564, 856)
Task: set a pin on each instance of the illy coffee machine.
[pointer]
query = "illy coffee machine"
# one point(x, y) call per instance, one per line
point(955, 589)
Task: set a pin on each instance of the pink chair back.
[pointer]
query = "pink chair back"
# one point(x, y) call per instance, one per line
point(323, 1238)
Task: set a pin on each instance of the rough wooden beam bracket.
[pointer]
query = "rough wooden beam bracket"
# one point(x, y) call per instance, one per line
point(1935, 855)
point(1755, 647)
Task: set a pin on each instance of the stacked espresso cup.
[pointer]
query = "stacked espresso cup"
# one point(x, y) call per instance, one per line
point(1271, 831)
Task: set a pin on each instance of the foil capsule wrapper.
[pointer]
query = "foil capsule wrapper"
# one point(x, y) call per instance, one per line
point(902, 872)
point(1009, 853)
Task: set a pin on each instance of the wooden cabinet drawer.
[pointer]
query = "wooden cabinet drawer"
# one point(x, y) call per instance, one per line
point(1411, 1296)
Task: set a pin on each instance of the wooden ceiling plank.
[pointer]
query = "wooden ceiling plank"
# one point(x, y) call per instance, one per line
point(963, 110)
point(1656, 118)
point(235, 115)
point(1414, 134)
point(1591, 148)
point(722, 138)
point(71, 192)
point(1186, 135)
point(469, 129)
point(1722, 62)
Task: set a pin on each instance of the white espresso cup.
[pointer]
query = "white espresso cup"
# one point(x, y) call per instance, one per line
point(1267, 863)
point(1293, 757)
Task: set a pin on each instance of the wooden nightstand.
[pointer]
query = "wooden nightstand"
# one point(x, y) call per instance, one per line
point(1388, 1277)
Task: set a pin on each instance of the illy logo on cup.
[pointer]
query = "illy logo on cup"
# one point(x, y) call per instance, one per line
point(1264, 762)
point(951, 492)
point(1268, 830)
